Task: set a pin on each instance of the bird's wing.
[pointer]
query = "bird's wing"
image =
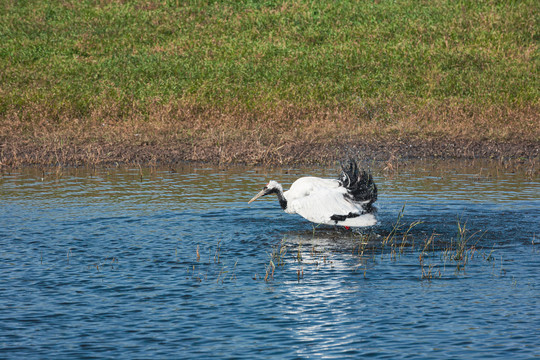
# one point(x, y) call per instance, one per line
point(325, 205)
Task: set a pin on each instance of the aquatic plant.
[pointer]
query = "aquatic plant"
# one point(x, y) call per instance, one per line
point(435, 253)
point(276, 259)
point(463, 252)
point(396, 240)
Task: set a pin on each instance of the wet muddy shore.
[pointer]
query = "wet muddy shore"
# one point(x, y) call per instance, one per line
point(25, 153)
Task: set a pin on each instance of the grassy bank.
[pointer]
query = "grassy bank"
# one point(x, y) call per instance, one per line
point(249, 80)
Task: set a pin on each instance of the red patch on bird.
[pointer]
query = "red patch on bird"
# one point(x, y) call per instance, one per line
point(348, 228)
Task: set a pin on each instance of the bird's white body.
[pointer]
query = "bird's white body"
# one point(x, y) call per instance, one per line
point(317, 200)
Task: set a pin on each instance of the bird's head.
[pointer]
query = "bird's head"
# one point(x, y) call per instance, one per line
point(273, 187)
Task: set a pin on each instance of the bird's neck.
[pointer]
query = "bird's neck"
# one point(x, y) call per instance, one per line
point(281, 197)
point(282, 200)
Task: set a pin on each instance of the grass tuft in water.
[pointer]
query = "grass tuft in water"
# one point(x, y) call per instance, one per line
point(277, 258)
point(436, 253)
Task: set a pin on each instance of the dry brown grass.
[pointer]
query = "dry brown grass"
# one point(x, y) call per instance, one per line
point(173, 132)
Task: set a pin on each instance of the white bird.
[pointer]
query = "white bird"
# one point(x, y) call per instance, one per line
point(346, 201)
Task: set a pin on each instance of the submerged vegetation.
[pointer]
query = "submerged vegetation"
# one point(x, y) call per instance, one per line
point(235, 81)
point(436, 255)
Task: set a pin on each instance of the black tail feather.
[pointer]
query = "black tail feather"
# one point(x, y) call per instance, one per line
point(359, 184)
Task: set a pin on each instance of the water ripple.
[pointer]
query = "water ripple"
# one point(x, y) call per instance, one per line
point(109, 264)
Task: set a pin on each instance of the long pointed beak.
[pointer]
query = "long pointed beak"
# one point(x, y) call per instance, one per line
point(261, 193)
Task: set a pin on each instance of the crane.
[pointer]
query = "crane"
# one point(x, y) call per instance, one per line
point(346, 201)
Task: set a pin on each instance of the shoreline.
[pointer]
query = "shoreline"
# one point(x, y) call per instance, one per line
point(20, 153)
point(284, 136)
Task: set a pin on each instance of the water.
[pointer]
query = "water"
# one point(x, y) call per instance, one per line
point(157, 264)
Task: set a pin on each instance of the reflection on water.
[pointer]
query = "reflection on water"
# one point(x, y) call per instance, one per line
point(159, 263)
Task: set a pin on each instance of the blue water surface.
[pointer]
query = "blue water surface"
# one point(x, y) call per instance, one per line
point(130, 263)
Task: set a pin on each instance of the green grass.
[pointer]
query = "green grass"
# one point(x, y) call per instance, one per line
point(76, 56)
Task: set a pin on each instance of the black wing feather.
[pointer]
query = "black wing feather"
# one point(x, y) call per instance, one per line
point(359, 184)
